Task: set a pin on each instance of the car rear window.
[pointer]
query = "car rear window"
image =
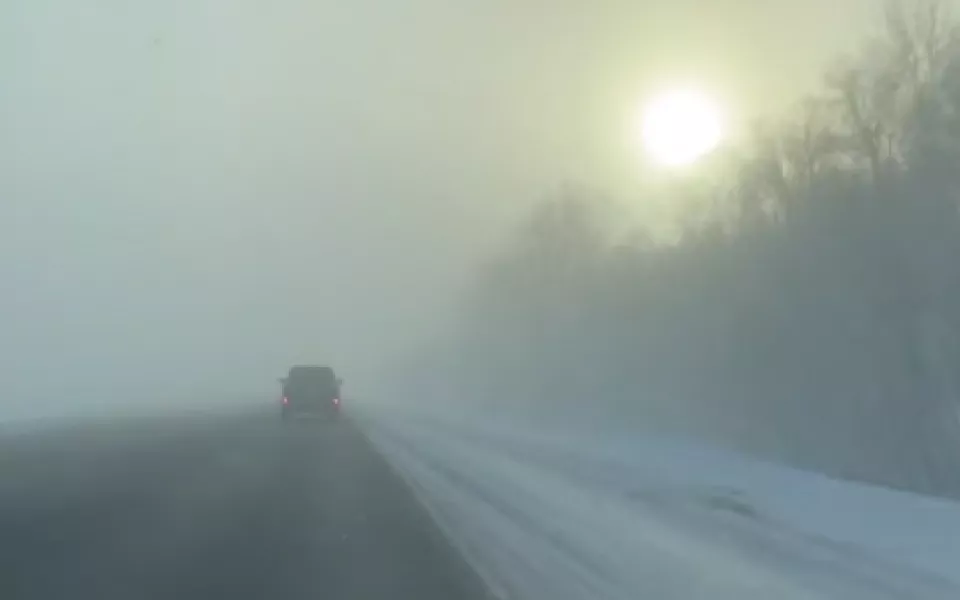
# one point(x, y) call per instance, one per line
point(320, 379)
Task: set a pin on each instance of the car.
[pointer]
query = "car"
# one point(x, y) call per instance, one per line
point(310, 390)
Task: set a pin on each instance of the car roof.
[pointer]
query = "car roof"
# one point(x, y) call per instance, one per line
point(316, 368)
point(303, 373)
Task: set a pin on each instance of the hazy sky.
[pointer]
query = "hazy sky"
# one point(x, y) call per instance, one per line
point(196, 193)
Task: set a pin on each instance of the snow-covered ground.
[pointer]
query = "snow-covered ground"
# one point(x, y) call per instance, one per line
point(23, 419)
point(567, 513)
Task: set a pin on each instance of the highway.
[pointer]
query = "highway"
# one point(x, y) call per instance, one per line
point(215, 506)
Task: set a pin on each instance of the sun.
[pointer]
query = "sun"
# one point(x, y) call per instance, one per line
point(679, 126)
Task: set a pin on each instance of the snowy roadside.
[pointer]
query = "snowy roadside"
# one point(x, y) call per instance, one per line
point(28, 420)
point(566, 514)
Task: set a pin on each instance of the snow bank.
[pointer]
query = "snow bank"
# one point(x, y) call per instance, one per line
point(578, 514)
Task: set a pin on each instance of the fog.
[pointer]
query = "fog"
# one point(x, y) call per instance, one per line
point(196, 194)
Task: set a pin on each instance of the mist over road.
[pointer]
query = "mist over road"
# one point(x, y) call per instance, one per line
point(215, 506)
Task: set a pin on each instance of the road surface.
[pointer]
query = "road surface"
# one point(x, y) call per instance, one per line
point(230, 507)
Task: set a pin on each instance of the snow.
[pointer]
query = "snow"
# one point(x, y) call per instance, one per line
point(567, 513)
point(26, 419)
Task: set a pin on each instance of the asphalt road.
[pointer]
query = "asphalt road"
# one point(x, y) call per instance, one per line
point(211, 507)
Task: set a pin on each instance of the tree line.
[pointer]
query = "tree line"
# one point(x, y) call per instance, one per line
point(809, 310)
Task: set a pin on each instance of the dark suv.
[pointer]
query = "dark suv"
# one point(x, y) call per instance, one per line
point(309, 389)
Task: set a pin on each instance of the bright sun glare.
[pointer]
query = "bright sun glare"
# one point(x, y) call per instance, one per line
point(679, 126)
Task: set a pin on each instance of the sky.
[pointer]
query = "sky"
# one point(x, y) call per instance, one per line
point(195, 194)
